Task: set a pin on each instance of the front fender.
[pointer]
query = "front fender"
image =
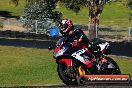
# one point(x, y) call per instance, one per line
point(66, 60)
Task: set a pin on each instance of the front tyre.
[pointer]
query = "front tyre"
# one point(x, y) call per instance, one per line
point(65, 74)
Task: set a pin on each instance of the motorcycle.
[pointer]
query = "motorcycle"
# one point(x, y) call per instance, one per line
point(74, 61)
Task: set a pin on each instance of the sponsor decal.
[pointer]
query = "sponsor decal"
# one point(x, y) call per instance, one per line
point(108, 78)
point(78, 56)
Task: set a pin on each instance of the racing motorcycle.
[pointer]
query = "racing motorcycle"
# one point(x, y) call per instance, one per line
point(74, 61)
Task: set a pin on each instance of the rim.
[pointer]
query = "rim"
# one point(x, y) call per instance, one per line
point(66, 73)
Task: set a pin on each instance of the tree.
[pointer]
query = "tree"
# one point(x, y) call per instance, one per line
point(130, 6)
point(95, 9)
point(41, 10)
point(40, 15)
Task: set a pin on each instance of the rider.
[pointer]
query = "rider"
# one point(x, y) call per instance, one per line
point(73, 34)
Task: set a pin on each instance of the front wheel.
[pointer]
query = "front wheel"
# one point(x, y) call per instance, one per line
point(65, 74)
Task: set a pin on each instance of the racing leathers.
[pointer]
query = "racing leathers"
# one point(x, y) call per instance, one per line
point(77, 36)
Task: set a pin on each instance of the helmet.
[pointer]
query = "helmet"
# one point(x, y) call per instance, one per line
point(65, 26)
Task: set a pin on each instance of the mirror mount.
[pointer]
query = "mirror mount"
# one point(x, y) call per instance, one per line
point(51, 47)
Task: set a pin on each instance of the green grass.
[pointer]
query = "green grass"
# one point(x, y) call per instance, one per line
point(21, 66)
point(124, 63)
point(115, 14)
point(78, 18)
point(26, 66)
point(6, 5)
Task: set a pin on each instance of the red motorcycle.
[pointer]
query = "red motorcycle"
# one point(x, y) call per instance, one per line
point(77, 60)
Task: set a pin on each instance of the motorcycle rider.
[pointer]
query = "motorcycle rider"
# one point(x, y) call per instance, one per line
point(72, 34)
point(76, 35)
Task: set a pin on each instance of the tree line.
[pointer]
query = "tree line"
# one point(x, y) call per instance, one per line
point(95, 8)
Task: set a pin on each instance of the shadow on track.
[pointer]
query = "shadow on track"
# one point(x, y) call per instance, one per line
point(119, 49)
point(25, 43)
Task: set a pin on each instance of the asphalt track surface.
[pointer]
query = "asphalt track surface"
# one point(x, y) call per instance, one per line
point(119, 49)
point(86, 85)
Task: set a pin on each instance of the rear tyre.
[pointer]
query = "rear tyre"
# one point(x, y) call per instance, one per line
point(65, 75)
point(116, 69)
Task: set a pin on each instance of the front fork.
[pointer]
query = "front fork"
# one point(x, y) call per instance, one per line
point(75, 72)
point(71, 66)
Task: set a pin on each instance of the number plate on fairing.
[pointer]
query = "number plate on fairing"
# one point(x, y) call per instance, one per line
point(82, 55)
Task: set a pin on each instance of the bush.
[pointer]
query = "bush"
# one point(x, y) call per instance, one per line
point(43, 12)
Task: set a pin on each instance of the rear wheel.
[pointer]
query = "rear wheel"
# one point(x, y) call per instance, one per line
point(116, 70)
point(65, 74)
point(113, 67)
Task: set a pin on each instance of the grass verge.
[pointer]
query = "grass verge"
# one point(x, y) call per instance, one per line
point(31, 66)
point(26, 67)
